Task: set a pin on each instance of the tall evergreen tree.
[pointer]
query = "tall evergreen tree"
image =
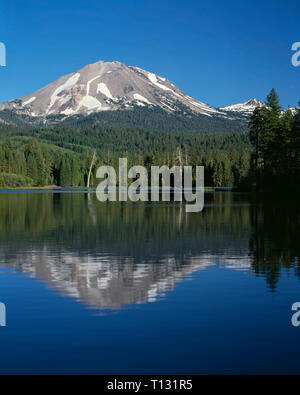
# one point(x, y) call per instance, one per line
point(272, 134)
point(8, 156)
point(65, 172)
point(257, 137)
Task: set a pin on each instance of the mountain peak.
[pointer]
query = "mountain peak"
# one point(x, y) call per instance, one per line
point(247, 106)
point(103, 86)
point(111, 86)
point(253, 102)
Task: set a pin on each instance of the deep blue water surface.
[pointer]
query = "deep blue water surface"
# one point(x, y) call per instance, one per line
point(148, 289)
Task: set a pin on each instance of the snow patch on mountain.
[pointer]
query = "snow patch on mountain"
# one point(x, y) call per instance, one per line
point(68, 111)
point(141, 98)
point(102, 88)
point(203, 106)
point(67, 85)
point(88, 101)
point(152, 77)
point(25, 103)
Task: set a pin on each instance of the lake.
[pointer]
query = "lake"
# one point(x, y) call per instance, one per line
point(146, 288)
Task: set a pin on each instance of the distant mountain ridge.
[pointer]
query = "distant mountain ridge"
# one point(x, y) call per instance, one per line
point(247, 107)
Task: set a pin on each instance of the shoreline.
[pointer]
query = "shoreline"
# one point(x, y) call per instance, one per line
point(57, 188)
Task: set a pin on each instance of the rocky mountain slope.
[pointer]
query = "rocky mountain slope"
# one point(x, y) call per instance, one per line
point(104, 86)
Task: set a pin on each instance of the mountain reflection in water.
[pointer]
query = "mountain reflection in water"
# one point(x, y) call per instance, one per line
point(110, 255)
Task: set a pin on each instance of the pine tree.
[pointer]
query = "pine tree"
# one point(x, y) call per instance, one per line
point(272, 134)
point(227, 173)
point(257, 136)
point(19, 163)
point(41, 168)
point(284, 143)
point(32, 170)
point(65, 172)
point(75, 171)
point(8, 156)
point(35, 163)
point(48, 166)
point(2, 181)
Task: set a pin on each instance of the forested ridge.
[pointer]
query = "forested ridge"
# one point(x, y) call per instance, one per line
point(62, 155)
point(154, 118)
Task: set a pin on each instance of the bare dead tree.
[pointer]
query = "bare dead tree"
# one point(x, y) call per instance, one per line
point(90, 171)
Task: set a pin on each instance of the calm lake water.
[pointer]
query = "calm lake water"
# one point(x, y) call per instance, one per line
point(138, 288)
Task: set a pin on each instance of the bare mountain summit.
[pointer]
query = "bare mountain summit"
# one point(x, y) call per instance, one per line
point(247, 107)
point(106, 86)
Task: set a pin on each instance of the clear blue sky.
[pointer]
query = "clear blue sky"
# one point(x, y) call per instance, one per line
point(220, 52)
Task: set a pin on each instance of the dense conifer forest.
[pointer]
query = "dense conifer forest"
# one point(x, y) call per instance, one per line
point(62, 156)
